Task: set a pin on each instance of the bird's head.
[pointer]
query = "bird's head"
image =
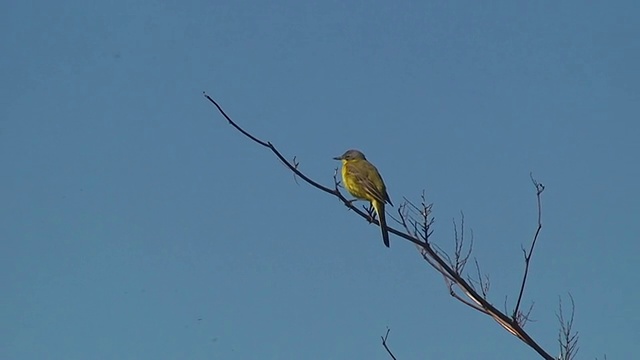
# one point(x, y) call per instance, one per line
point(351, 155)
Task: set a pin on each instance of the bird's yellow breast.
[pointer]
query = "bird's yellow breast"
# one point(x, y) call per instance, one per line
point(362, 179)
point(352, 185)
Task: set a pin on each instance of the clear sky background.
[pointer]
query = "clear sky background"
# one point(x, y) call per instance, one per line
point(136, 224)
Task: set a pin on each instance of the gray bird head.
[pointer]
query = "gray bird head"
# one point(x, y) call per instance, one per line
point(351, 155)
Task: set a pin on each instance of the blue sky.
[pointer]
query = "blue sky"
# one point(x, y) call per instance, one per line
point(136, 224)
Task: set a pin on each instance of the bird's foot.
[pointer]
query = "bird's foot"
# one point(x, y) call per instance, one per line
point(372, 213)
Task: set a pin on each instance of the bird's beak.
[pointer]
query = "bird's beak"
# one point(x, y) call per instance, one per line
point(337, 158)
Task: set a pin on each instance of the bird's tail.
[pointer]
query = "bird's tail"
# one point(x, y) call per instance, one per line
point(383, 221)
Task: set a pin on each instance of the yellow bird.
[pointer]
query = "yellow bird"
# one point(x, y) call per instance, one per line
point(363, 181)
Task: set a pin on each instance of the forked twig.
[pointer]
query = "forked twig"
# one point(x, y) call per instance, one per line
point(384, 343)
point(527, 255)
point(567, 338)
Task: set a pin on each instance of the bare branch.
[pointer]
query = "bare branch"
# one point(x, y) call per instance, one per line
point(460, 257)
point(483, 283)
point(523, 318)
point(567, 338)
point(453, 293)
point(384, 343)
point(295, 164)
point(418, 233)
point(527, 255)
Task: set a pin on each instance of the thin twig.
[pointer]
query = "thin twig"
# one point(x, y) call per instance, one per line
point(384, 343)
point(460, 258)
point(484, 287)
point(567, 338)
point(527, 255)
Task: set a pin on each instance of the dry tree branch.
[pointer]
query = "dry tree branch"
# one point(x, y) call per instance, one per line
point(527, 255)
point(384, 343)
point(524, 318)
point(418, 233)
point(567, 338)
point(484, 283)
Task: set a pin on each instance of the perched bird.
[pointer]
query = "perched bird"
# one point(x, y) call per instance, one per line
point(363, 181)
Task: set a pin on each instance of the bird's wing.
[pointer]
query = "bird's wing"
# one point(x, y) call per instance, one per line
point(367, 178)
point(386, 197)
